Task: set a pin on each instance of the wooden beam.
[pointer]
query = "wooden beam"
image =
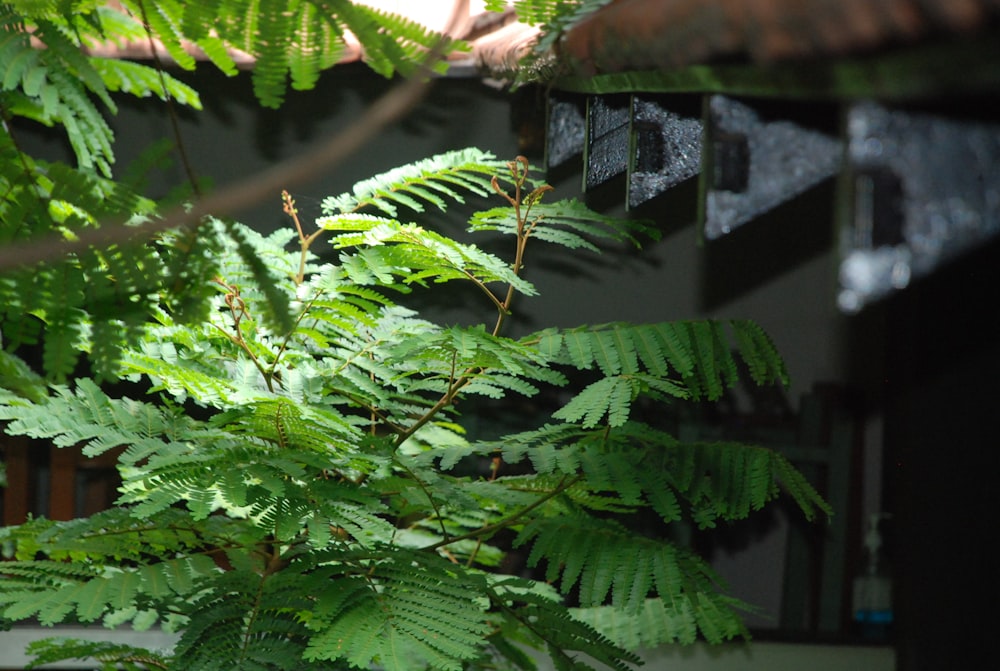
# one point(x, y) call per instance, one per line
point(20, 488)
point(62, 482)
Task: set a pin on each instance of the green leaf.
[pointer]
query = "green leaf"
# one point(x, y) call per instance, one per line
point(609, 396)
point(142, 81)
point(446, 175)
point(568, 223)
point(401, 617)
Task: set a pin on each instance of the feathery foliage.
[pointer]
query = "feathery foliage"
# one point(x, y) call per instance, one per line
point(48, 76)
point(301, 487)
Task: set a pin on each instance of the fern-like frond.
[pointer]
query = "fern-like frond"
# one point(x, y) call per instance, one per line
point(297, 40)
point(163, 19)
point(115, 535)
point(492, 365)
point(427, 182)
point(609, 397)
point(644, 466)
point(290, 425)
point(246, 620)
point(758, 352)
point(569, 223)
point(394, 43)
point(274, 307)
point(357, 365)
point(696, 354)
point(317, 46)
point(271, 44)
point(17, 380)
point(607, 562)
point(185, 378)
point(729, 480)
point(110, 656)
point(542, 446)
point(65, 331)
point(536, 618)
point(87, 416)
point(664, 621)
point(200, 21)
point(390, 249)
point(407, 610)
point(32, 588)
point(57, 83)
point(289, 512)
point(112, 288)
point(682, 360)
point(142, 81)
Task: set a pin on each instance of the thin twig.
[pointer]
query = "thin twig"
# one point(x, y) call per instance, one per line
point(564, 484)
point(171, 107)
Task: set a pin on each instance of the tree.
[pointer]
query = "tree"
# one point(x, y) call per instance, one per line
point(302, 487)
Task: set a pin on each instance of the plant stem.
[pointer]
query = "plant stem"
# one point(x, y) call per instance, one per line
point(519, 175)
point(430, 498)
point(168, 99)
point(490, 529)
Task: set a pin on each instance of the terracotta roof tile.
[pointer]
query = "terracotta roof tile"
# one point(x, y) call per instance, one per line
point(639, 34)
